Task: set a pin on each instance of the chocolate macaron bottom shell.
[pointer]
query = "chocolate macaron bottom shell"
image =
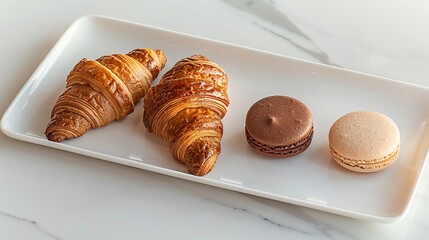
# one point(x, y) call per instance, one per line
point(366, 166)
point(280, 151)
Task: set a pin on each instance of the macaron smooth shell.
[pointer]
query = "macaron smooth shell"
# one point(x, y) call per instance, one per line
point(364, 141)
point(279, 126)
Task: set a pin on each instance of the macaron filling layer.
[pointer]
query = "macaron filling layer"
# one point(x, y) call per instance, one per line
point(366, 165)
point(281, 151)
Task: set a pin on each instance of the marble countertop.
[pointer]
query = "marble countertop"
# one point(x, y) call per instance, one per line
point(52, 194)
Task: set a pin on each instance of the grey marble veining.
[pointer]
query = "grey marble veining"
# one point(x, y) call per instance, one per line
point(32, 223)
point(290, 220)
point(306, 229)
point(266, 16)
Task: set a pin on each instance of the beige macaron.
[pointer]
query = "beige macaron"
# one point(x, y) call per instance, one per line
point(364, 141)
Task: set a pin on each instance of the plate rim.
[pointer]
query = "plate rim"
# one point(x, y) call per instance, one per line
point(55, 53)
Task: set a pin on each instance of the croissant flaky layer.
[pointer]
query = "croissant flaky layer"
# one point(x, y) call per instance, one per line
point(103, 90)
point(186, 108)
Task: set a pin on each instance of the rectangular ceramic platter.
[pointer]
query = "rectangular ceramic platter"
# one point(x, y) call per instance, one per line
point(311, 179)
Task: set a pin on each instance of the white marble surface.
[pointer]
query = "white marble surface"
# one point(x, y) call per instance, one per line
point(51, 194)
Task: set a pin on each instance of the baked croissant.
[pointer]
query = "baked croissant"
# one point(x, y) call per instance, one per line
point(101, 91)
point(186, 108)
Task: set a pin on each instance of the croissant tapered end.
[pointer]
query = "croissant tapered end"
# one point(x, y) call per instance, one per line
point(101, 91)
point(153, 59)
point(66, 126)
point(162, 59)
point(201, 156)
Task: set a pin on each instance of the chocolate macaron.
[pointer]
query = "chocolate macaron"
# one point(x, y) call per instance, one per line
point(279, 126)
point(364, 141)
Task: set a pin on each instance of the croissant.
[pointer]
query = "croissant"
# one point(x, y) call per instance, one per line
point(186, 108)
point(101, 91)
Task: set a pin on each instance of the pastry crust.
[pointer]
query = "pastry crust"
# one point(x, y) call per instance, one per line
point(186, 108)
point(101, 91)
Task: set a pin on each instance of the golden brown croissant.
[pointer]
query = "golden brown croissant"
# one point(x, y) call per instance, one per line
point(101, 91)
point(186, 108)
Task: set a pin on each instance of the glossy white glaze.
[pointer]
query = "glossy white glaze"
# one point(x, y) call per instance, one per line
point(51, 194)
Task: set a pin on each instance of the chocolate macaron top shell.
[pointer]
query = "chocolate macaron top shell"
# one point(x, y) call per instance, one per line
point(279, 121)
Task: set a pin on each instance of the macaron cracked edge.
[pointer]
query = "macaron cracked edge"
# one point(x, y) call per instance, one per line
point(279, 126)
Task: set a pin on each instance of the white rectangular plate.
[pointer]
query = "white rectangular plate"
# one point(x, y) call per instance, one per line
point(310, 179)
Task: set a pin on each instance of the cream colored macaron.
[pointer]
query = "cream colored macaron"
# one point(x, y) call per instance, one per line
point(364, 141)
